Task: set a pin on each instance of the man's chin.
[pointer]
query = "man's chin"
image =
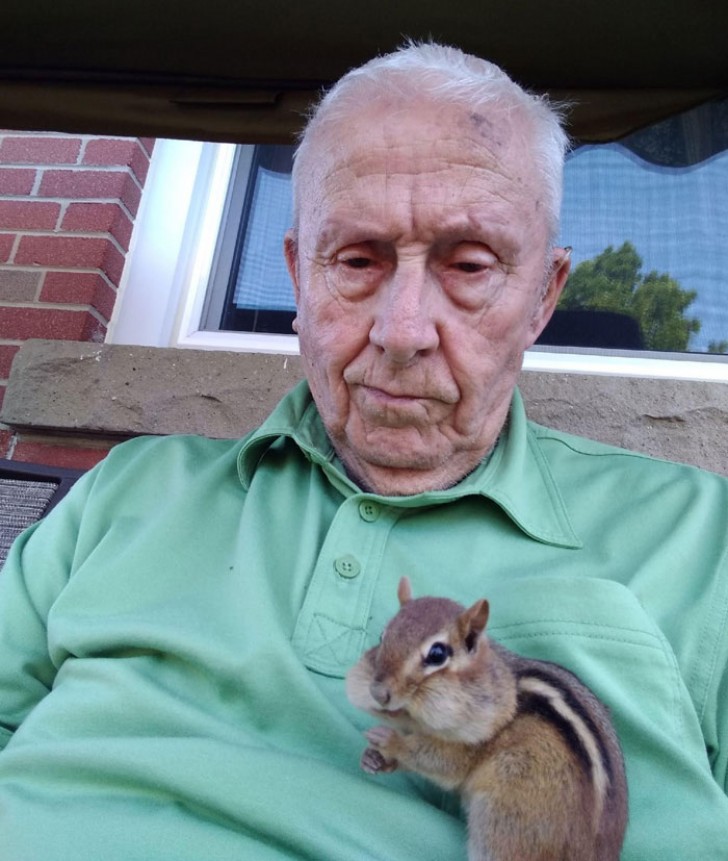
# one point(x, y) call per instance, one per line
point(394, 473)
point(405, 448)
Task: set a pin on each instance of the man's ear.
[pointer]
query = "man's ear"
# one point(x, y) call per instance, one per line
point(290, 252)
point(558, 274)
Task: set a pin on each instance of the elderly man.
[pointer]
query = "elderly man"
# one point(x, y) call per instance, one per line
point(174, 637)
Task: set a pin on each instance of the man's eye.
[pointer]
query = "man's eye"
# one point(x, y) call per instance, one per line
point(471, 258)
point(357, 262)
point(356, 271)
point(469, 266)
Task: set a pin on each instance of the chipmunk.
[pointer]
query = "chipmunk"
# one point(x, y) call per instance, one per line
point(529, 747)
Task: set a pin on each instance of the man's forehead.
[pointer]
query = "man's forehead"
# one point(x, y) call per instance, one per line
point(423, 155)
point(427, 128)
point(394, 140)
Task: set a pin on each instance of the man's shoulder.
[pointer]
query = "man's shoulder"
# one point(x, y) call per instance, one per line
point(172, 445)
point(175, 460)
point(572, 451)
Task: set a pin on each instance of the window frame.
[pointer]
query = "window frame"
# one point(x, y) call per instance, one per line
point(175, 247)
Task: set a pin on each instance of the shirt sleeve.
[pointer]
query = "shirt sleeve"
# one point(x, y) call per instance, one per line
point(715, 721)
point(36, 570)
point(721, 763)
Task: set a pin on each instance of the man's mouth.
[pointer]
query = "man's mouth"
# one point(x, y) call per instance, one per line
point(393, 397)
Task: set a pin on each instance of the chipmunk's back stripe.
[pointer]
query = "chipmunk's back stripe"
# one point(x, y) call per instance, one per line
point(578, 707)
point(536, 703)
point(546, 695)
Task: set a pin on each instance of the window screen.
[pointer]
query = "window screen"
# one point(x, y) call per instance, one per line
point(648, 221)
point(258, 293)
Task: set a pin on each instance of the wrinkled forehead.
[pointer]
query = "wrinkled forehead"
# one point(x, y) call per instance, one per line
point(444, 145)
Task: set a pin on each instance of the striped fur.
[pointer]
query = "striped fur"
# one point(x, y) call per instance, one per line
point(530, 748)
point(544, 695)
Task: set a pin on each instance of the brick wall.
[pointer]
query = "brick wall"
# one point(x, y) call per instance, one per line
point(67, 209)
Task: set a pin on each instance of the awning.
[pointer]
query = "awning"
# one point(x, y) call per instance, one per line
point(245, 70)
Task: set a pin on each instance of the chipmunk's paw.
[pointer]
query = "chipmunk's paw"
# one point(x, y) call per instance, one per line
point(381, 737)
point(373, 762)
point(376, 759)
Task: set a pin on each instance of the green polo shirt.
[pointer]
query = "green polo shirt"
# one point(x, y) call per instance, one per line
point(174, 637)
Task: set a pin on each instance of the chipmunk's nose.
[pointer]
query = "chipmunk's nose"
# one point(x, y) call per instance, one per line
point(380, 692)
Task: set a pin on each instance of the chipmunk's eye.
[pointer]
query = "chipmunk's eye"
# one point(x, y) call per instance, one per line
point(438, 654)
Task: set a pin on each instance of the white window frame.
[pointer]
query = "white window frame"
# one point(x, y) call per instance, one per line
point(172, 252)
point(167, 271)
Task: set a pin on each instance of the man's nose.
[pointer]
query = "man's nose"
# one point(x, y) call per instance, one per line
point(404, 323)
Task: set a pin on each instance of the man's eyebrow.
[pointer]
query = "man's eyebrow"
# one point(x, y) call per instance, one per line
point(349, 231)
point(502, 236)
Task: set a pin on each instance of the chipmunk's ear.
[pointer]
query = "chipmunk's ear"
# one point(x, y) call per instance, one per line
point(472, 622)
point(404, 591)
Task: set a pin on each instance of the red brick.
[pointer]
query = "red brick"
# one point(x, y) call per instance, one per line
point(99, 218)
point(6, 246)
point(148, 144)
point(110, 151)
point(29, 149)
point(122, 229)
point(79, 288)
point(7, 439)
point(29, 214)
point(17, 181)
point(19, 324)
point(140, 165)
point(113, 264)
point(94, 330)
point(75, 288)
point(19, 285)
point(53, 454)
point(53, 250)
point(72, 252)
point(131, 195)
point(7, 354)
point(83, 184)
point(90, 185)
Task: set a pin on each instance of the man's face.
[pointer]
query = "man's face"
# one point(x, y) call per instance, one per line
point(421, 275)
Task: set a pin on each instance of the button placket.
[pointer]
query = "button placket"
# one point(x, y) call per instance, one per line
point(331, 627)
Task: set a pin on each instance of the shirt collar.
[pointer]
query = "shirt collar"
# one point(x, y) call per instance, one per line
point(516, 476)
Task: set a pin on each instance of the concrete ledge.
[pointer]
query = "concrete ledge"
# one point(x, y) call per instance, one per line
point(127, 391)
point(69, 387)
point(679, 420)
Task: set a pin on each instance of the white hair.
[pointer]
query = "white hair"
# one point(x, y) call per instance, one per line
point(448, 75)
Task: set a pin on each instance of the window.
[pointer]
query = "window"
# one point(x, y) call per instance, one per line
point(647, 218)
point(657, 200)
point(250, 290)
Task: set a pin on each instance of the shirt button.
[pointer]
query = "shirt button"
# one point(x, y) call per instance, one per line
point(347, 566)
point(368, 511)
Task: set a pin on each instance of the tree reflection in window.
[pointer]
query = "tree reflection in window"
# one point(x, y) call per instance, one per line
point(648, 220)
